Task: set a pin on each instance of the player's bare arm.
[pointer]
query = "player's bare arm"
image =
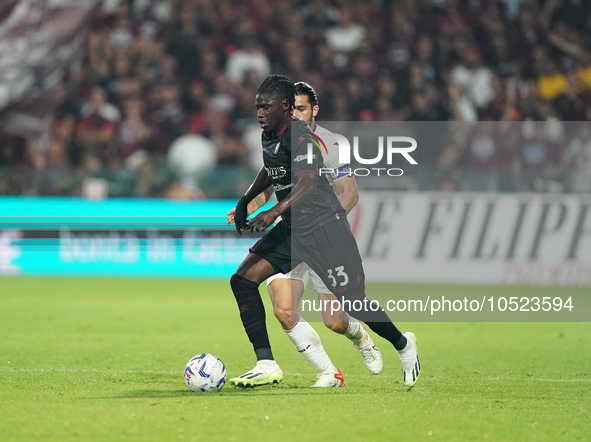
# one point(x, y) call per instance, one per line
point(347, 188)
point(305, 185)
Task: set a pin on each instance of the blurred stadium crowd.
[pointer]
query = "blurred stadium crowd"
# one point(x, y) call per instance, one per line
point(160, 102)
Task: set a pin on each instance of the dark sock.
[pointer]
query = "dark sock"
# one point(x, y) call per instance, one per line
point(252, 313)
point(388, 331)
point(380, 322)
point(264, 353)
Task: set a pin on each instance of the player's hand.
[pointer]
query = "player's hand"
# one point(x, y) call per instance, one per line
point(263, 220)
point(231, 217)
point(240, 215)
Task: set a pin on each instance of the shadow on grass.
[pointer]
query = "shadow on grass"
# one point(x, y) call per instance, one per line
point(229, 391)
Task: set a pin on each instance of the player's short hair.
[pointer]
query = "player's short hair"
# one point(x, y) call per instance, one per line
point(303, 88)
point(278, 86)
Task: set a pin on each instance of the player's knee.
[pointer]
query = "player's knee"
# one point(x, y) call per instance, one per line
point(240, 284)
point(337, 327)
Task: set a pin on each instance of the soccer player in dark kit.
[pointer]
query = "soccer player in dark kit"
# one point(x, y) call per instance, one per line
point(313, 229)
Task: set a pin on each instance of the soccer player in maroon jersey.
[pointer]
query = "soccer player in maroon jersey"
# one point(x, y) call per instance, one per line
point(286, 290)
point(322, 238)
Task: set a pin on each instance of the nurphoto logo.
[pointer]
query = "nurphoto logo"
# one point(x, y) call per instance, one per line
point(394, 145)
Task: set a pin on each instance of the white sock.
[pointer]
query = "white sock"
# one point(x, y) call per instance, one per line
point(307, 343)
point(354, 331)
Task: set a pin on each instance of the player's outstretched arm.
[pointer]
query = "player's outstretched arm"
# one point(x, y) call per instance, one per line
point(258, 186)
point(305, 185)
point(347, 187)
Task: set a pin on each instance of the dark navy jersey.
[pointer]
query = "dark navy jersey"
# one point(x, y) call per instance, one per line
point(286, 155)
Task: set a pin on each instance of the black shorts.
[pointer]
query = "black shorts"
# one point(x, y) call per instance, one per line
point(331, 251)
point(275, 247)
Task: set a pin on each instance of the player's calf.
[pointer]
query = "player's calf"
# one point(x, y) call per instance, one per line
point(284, 316)
point(334, 318)
point(337, 327)
point(252, 314)
point(284, 294)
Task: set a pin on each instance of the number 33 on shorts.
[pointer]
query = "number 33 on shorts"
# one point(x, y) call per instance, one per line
point(340, 272)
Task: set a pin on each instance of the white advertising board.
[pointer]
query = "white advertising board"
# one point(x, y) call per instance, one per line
point(474, 238)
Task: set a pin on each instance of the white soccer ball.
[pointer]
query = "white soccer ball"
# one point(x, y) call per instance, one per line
point(205, 372)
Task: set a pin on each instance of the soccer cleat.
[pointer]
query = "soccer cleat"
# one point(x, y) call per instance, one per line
point(261, 374)
point(329, 378)
point(372, 357)
point(411, 366)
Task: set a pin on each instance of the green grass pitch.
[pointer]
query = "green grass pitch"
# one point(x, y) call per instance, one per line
point(102, 360)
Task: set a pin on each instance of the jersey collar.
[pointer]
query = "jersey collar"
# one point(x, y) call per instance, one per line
point(291, 118)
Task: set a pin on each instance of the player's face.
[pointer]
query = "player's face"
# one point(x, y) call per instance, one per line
point(304, 110)
point(270, 112)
